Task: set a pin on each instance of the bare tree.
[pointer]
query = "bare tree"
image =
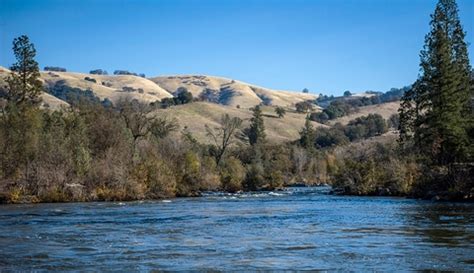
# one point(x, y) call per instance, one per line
point(224, 135)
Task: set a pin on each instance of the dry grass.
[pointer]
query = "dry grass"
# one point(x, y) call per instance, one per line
point(48, 101)
point(196, 115)
point(243, 94)
point(113, 88)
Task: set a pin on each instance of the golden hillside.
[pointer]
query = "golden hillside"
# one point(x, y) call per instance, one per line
point(196, 115)
point(47, 100)
point(231, 92)
point(111, 87)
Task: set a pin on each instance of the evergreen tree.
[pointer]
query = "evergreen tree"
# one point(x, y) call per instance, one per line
point(256, 132)
point(23, 84)
point(437, 111)
point(20, 121)
point(307, 135)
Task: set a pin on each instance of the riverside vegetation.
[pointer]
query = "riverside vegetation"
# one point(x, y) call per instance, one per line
point(100, 150)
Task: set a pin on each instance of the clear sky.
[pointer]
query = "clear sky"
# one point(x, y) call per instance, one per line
point(324, 45)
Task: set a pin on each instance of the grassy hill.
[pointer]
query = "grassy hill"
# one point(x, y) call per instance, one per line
point(231, 92)
point(48, 101)
point(196, 115)
point(111, 87)
point(222, 96)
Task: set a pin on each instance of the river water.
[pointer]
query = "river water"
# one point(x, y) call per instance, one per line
point(296, 229)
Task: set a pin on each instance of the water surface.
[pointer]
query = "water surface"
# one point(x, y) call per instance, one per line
point(299, 228)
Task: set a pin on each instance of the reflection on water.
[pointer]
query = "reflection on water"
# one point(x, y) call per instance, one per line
point(442, 224)
point(293, 229)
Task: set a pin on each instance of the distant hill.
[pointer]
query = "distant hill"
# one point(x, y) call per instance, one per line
point(212, 89)
point(196, 115)
point(110, 87)
point(48, 101)
point(216, 95)
point(230, 92)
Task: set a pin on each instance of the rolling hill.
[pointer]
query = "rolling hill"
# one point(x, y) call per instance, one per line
point(194, 117)
point(230, 92)
point(217, 96)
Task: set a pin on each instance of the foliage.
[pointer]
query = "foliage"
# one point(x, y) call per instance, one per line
point(256, 131)
point(90, 79)
point(280, 111)
point(365, 127)
point(126, 72)
point(304, 106)
point(23, 83)
point(223, 136)
point(436, 113)
point(98, 72)
point(55, 69)
point(307, 134)
point(72, 95)
point(232, 173)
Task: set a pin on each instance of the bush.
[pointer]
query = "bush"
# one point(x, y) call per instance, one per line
point(54, 69)
point(304, 106)
point(327, 137)
point(254, 178)
point(232, 174)
point(73, 96)
point(98, 72)
point(90, 79)
point(321, 117)
point(376, 170)
point(126, 72)
point(365, 127)
point(183, 96)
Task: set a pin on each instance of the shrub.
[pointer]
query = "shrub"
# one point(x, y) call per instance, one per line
point(90, 79)
point(54, 68)
point(183, 96)
point(98, 72)
point(365, 127)
point(232, 174)
point(327, 137)
point(254, 178)
point(304, 106)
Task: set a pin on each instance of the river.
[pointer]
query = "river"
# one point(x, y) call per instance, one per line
point(296, 229)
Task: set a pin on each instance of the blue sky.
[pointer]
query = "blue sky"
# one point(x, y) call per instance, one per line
point(326, 46)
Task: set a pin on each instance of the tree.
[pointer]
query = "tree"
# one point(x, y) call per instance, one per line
point(305, 90)
point(304, 106)
point(183, 96)
point(161, 127)
point(136, 117)
point(393, 121)
point(307, 134)
point(256, 132)
point(232, 174)
point(98, 72)
point(20, 123)
point(347, 93)
point(280, 111)
point(23, 84)
point(437, 112)
point(224, 135)
point(55, 68)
